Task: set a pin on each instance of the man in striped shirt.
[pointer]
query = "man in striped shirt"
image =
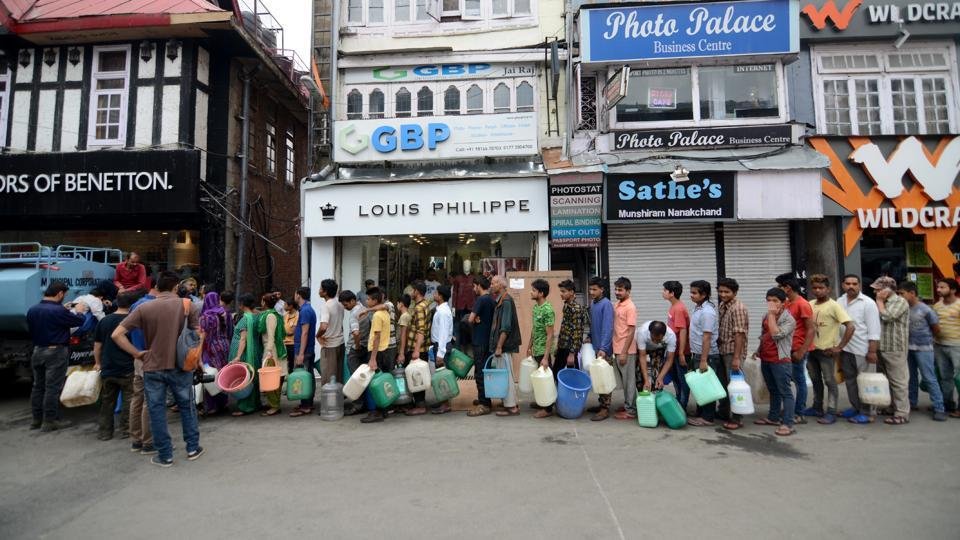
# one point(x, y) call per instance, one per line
point(894, 331)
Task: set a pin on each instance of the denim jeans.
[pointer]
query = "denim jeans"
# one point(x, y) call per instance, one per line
point(799, 376)
point(679, 383)
point(180, 383)
point(922, 363)
point(49, 373)
point(948, 361)
point(777, 377)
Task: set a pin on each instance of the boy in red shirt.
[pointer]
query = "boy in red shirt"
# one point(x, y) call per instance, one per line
point(775, 363)
point(803, 338)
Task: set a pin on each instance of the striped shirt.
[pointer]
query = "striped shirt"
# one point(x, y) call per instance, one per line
point(894, 324)
point(949, 315)
point(733, 320)
point(419, 324)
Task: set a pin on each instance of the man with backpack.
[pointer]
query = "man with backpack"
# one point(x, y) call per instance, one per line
point(162, 321)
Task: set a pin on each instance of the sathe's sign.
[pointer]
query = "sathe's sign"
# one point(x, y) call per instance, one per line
point(98, 183)
point(436, 137)
point(437, 72)
point(774, 135)
point(655, 197)
point(858, 19)
point(440, 207)
point(669, 31)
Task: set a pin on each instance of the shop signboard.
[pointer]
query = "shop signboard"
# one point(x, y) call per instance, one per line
point(726, 137)
point(575, 212)
point(643, 198)
point(438, 72)
point(829, 20)
point(439, 207)
point(697, 30)
point(99, 183)
point(436, 137)
point(897, 183)
point(617, 87)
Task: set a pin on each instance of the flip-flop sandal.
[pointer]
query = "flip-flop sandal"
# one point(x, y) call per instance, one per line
point(239, 413)
point(954, 414)
point(441, 410)
point(765, 422)
point(732, 426)
point(784, 433)
point(271, 412)
point(896, 421)
point(699, 422)
point(296, 413)
point(479, 410)
point(509, 412)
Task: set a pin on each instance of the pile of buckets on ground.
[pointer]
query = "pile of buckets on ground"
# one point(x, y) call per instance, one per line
point(383, 390)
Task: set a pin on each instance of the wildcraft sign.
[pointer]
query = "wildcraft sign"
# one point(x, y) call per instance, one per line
point(703, 138)
point(670, 31)
point(858, 19)
point(575, 214)
point(101, 182)
point(707, 196)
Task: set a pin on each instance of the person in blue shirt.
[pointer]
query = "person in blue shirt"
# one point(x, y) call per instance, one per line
point(50, 324)
point(601, 329)
point(304, 345)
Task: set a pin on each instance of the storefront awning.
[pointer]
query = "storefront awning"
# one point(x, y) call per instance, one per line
point(730, 159)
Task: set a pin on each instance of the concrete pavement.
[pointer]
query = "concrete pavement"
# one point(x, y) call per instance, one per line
point(453, 476)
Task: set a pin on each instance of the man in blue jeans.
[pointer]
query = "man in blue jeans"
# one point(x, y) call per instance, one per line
point(924, 324)
point(803, 338)
point(704, 349)
point(161, 321)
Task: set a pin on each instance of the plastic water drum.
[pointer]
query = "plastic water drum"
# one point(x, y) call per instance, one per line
point(527, 367)
point(705, 387)
point(646, 410)
point(445, 385)
point(740, 394)
point(587, 357)
point(459, 363)
point(544, 389)
point(358, 382)
point(572, 392)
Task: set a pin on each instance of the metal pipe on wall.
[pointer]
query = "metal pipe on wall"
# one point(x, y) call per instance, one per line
point(246, 77)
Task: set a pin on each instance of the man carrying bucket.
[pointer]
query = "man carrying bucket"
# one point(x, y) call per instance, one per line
point(505, 340)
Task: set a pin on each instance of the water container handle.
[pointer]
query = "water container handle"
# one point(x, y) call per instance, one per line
point(737, 375)
point(486, 363)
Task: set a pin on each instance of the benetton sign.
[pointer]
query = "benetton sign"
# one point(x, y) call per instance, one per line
point(703, 137)
point(643, 198)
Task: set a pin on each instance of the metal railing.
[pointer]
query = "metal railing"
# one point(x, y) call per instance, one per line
point(37, 254)
point(257, 19)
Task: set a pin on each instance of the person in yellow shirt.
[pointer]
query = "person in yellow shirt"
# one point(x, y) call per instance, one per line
point(946, 346)
point(291, 316)
point(381, 355)
point(829, 316)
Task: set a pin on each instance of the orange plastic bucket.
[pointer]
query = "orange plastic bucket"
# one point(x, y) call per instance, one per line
point(269, 375)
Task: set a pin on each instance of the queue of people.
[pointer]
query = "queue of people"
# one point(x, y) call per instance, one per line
point(913, 344)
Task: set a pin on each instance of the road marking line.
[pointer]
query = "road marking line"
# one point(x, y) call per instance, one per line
point(596, 482)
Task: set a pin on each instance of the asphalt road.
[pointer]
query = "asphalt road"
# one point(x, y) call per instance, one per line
point(453, 476)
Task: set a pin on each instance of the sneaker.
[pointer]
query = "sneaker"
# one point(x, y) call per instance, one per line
point(54, 425)
point(191, 456)
point(940, 416)
point(810, 411)
point(136, 447)
point(161, 462)
point(147, 450)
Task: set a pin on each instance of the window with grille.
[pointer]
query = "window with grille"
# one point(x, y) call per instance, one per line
point(377, 104)
point(290, 170)
point(886, 92)
point(271, 161)
point(403, 103)
point(451, 101)
point(425, 102)
point(354, 105)
point(389, 12)
point(108, 95)
point(588, 103)
point(398, 100)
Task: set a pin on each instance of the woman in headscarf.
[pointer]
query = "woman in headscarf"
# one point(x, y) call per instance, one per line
point(272, 332)
point(217, 327)
point(246, 347)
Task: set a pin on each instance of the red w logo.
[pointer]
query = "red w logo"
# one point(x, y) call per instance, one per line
point(840, 19)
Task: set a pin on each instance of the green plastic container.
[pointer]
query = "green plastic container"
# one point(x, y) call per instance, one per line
point(956, 381)
point(705, 387)
point(647, 410)
point(670, 410)
point(299, 385)
point(459, 363)
point(383, 388)
point(445, 385)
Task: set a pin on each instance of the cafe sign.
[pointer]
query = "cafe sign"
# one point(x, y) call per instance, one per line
point(727, 137)
point(672, 31)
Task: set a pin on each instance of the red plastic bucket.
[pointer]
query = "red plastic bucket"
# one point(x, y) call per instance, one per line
point(236, 378)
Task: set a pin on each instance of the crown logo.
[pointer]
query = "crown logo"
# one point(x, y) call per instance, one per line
point(328, 211)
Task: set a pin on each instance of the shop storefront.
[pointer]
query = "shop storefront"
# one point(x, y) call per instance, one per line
point(395, 232)
point(886, 102)
point(143, 201)
point(705, 174)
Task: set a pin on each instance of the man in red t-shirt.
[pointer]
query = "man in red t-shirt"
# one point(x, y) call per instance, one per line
point(131, 276)
point(803, 337)
point(678, 320)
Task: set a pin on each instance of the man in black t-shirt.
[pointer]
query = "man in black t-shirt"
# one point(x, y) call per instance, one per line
point(482, 318)
point(116, 370)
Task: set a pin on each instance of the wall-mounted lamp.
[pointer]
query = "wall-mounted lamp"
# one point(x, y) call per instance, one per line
point(50, 57)
point(680, 174)
point(73, 55)
point(146, 50)
point(24, 58)
point(173, 49)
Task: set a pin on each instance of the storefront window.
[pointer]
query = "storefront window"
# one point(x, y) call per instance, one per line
point(657, 95)
point(747, 91)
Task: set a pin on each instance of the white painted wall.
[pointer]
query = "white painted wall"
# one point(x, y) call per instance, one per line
point(20, 116)
point(24, 74)
point(144, 133)
point(322, 262)
point(200, 130)
point(70, 133)
point(203, 66)
point(170, 117)
point(48, 102)
point(146, 70)
point(49, 73)
point(351, 266)
point(75, 72)
point(172, 68)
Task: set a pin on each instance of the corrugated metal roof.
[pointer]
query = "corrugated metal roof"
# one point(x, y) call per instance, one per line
point(25, 11)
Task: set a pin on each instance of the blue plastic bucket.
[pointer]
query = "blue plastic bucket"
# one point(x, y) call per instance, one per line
point(496, 382)
point(572, 390)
